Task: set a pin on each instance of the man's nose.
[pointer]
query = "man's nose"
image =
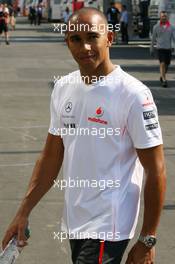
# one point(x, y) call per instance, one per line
point(87, 46)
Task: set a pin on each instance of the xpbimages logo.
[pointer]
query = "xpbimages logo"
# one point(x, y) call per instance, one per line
point(85, 183)
point(71, 79)
point(71, 27)
point(62, 235)
point(70, 129)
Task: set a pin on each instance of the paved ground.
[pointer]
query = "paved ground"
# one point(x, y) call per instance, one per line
point(27, 70)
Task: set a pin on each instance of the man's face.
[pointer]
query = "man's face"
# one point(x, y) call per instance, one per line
point(163, 17)
point(90, 45)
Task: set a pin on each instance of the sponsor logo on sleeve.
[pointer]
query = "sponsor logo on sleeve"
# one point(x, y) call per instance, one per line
point(70, 125)
point(152, 126)
point(149, 114)
point(148, 99)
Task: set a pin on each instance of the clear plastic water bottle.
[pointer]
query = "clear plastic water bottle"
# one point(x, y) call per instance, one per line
point(12, 251)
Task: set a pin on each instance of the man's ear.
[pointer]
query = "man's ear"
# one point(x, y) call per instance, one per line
point(110, 36)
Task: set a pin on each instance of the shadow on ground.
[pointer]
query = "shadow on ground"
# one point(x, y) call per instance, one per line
point(36, 39)
point(124, 52)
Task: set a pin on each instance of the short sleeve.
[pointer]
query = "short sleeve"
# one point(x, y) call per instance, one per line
point(143, 124)
point(54, 126)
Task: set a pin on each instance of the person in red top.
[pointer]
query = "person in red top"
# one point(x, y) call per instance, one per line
point(4, 18)
point(77, 5)
point(163, 36)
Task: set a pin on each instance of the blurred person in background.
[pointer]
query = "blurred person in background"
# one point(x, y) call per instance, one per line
point(113, 15)
point(18, 11)
point(66, 15)
point(32, 15)
point(124, 24)
point(6, 9)
point(163, 36)
point(12, 19)
point(39, 12)
point(4, 20)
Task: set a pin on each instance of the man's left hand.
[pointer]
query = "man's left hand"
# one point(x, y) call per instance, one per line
point(140, 254)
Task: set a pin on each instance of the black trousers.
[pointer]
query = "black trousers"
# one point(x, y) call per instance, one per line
point(164, 55)
point(91, 251)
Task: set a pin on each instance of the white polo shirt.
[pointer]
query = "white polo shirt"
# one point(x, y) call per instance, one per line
point(118, 116)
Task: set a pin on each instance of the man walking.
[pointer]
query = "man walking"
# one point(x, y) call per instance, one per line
point(113, 18)
point(124, 24)
point(32, 14)
point(100, 221)
point(163, 36)
point(39, 11)
point(4, 20)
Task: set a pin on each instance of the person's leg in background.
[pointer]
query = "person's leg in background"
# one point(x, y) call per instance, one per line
point(6, 35)
point(7, 38)
point(115, 33)
point(4, 28)
point(162, 71)
point(163, 68)
point(165, 60)
point(123, 31)
point(35, 20)
point(39, 19)
point(31, 19)
point(0, 32)
point(126, 33)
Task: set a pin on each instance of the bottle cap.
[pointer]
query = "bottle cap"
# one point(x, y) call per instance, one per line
point(27, 232)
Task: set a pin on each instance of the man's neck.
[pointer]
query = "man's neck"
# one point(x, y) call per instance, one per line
point(101, 71)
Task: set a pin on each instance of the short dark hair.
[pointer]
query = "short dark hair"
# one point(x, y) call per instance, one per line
point(85, 10)
point(112, 2)
point(163, 11)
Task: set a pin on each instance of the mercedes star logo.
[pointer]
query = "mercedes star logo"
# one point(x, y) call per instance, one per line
point(68, 107)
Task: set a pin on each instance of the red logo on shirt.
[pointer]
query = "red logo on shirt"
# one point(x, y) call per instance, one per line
point(99, 112)
point(148, 100)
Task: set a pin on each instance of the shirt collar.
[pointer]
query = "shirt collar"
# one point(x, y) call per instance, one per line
point(167, 24)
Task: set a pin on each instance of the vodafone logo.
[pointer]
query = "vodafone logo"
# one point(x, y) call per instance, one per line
point(99, 112)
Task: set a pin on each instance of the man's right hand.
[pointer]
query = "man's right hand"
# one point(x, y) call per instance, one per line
point(16, 228)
